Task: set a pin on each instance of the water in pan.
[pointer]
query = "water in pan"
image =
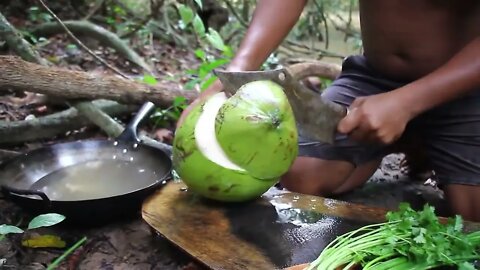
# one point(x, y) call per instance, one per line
point(95, 179)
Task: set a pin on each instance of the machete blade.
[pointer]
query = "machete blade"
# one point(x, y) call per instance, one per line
point(316, 118)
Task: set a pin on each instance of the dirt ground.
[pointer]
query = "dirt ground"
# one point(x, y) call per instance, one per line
point(133, 245)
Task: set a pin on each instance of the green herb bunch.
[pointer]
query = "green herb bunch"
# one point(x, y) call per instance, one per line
point(408, 240)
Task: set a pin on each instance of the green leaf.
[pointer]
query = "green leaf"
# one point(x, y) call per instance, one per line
point(466, 266)
point(45, 220)
point(228, 52)
point(198, 26)
point(200, 54)
point(149, 79)
point(199, 3)
point(458, 223)
point(214, 64)
point(179, 101)
point(207, 83)
point(191, 84)
point(7, 229)
point(215, 39)
point(186, 13)
point(420, 239)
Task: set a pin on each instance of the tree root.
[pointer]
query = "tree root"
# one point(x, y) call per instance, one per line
point(17, 43)
point(97, 32)
point(57, 123)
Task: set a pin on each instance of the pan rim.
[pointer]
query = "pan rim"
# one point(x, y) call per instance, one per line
point(163, 156)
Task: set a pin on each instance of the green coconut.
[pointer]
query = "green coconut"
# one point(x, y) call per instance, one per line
point(256, 128)
point(202, 164)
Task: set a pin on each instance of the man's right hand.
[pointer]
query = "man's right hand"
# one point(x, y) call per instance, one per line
point(216, 87)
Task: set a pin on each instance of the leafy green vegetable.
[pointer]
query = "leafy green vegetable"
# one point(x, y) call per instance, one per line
point(407, 240)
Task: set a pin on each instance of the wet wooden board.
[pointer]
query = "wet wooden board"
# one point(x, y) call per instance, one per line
point(279, 230)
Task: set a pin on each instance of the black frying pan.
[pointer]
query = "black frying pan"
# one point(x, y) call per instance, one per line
point(91, 181)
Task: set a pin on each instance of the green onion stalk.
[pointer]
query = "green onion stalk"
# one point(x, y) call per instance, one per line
point(409, 240)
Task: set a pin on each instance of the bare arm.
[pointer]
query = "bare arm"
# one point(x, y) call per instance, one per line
point(271, 23)
point(457, 77)
point(383, 117)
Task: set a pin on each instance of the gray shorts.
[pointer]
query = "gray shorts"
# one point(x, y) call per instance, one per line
point(450, 134)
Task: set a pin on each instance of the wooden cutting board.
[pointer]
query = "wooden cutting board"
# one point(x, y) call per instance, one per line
point(277, 231)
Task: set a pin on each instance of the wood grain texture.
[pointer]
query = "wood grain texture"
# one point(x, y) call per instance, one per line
point(17, 74)
point(280, 230)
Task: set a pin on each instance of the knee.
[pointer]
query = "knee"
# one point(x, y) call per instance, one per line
point(315, 177)
point(304, 184)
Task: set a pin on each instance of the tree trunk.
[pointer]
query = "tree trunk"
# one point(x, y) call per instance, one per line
point(17, 74)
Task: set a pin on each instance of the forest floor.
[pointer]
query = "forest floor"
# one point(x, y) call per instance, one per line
point(132, 244)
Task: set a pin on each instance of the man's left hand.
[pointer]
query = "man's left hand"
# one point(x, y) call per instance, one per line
point(380, 118)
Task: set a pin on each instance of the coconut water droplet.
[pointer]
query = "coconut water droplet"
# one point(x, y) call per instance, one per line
point(124, 151)
point(131, 158)
point(115, 143)
point(114, 157)
point(164, 182)
point(135, 145)
point(141, 170)
point(183, 189)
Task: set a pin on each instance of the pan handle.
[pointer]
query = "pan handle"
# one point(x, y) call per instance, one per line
point(8, 192)
point(129, 134)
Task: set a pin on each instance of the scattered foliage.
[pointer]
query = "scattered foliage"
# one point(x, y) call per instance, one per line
point(413, 240)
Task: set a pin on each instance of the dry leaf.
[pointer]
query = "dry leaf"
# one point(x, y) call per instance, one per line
point(44, 241)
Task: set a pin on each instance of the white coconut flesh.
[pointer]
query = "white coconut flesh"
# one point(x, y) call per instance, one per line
point(205, 136)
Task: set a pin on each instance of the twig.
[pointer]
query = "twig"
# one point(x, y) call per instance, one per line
point(94, 9)
point(154, 6)
point(80, 43)
point(235, 14)
point(17, 43)
point(321, 10)
point(54, 124)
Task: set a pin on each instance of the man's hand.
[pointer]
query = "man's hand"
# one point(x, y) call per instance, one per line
point(213, 89)
point(379, 118)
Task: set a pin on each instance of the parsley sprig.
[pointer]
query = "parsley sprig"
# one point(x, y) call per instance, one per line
point(408, 240)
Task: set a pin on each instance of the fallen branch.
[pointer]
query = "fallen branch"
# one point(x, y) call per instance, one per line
point(70, 84)
point(57, 123)
point(26, 51)
point(17, 43)
point(97, 32)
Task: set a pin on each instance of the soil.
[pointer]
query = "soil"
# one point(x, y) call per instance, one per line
point(132, 244)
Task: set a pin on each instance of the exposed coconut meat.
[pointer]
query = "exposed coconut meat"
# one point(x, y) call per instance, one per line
point(205, 136)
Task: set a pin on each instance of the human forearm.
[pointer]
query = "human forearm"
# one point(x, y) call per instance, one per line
point(271, 22)
point(457, 77)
